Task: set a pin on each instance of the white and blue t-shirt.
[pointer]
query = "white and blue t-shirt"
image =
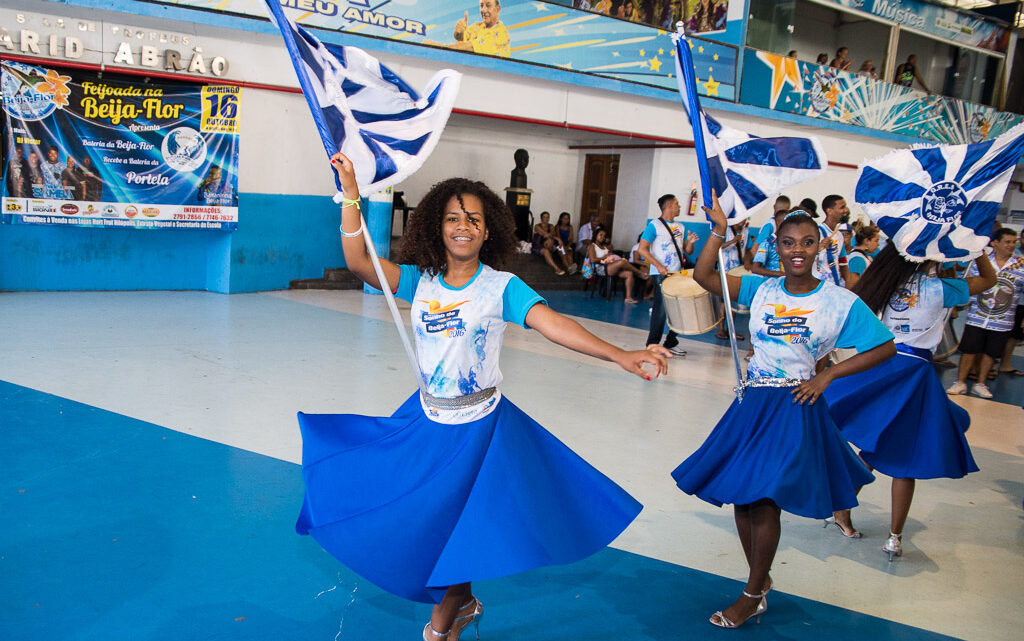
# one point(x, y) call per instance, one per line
point(916, 312)
point(767, 249)
point(831, 255)
point(792, 332)
point(858, 261)
point(995, 308)
point(459, 331)
point(663, 243)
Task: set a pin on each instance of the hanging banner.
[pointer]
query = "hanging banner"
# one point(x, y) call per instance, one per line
point(942, 22)
point(540, 33)
point(82, 150)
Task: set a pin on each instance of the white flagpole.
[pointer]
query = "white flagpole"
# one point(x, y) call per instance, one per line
point(390, 298)
point(727, 305)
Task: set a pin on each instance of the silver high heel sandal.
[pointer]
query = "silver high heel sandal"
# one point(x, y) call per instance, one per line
point(832, 521)
point(463, 622)
point(893, 545)
point(459, 624)
point(721, 621)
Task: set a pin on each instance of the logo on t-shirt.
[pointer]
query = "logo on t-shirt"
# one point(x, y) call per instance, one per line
point(903, 300)
point(789, 325)
point(443, 318)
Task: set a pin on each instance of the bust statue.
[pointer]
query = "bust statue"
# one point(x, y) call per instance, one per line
point(518, 177)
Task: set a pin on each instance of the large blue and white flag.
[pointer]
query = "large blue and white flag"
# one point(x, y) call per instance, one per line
point(364, 109)
point(744, 170)
point(938, 202)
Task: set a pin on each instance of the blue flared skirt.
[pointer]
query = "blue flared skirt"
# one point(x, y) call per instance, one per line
point(900, 417)
point(768, 447)
point(415, 506)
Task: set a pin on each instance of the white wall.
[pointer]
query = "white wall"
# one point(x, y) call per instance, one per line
point(485, 153)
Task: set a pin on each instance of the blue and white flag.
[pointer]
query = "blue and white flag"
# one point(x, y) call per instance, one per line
point(938, 202)
point(364, 110)
point(744, 170)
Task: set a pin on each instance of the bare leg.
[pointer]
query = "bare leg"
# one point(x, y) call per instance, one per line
point(966, 360)
point(986, 366)
point(902, 495)
point(546, 253)
point(628, 277)
point(742, 515)
point(765, 530)
point(567, 258)
point(844, 518)
point(444, 612)
point(1006, 362)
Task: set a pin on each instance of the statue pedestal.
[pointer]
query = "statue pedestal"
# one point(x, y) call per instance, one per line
point(518, 201)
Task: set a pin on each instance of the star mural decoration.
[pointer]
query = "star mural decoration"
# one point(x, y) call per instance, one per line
point(655, 64)
point(784, 70)
point(715, 57)
point(540, 6)
point(711, 86)
point(642, 53)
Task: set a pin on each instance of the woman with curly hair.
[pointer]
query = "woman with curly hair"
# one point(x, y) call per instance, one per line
point(458, 484)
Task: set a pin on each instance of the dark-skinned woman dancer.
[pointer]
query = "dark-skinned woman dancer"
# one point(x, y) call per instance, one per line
point(778, 448)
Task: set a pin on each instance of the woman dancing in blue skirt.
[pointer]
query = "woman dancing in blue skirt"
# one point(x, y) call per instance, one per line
point(778, 449)
point(458, 484)
point(897, 413)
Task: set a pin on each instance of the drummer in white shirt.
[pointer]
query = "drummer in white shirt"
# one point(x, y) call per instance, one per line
point(662, 245)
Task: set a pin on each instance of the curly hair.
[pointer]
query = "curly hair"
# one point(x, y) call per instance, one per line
point(423, 244)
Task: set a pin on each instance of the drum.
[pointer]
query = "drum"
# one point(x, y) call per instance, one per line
point(949, 343)
point(688, 306)
point(739, 271)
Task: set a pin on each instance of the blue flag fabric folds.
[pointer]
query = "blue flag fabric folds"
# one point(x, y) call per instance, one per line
point(744, 170)
point(938, 202)
point(364, 109)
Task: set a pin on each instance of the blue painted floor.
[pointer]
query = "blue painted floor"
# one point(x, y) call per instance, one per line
point(114, 528)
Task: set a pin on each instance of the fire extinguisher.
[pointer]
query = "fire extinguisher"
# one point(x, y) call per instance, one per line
point(691, 209)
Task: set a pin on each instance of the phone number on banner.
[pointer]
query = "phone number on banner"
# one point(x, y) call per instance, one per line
point(138, 216)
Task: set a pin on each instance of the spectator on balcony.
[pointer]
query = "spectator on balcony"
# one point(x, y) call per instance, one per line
point(791, 54)
point(822, 59)
point(868, 70)
point(906, 74)
point(841, 62)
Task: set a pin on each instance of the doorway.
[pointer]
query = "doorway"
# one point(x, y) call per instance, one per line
point(600, 177)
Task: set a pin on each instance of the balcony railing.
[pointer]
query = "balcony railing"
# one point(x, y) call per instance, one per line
point(820, 92)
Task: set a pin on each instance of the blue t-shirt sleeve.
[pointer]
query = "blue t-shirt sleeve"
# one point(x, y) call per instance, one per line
point(650, 232)
point(764, 233)
point(517, 300)
point(408, 282)
point(955, 291)
point(862, 330)
point(748, 287)
point(858, 264)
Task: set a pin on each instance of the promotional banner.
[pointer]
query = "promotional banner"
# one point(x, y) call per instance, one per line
point(786, 84)
point(540, 33)
point(944, 23)
point(84, 151)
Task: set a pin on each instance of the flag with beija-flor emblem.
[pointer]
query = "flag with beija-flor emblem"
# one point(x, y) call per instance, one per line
point(365, 110)
point(744, 170)
point(938, 202)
